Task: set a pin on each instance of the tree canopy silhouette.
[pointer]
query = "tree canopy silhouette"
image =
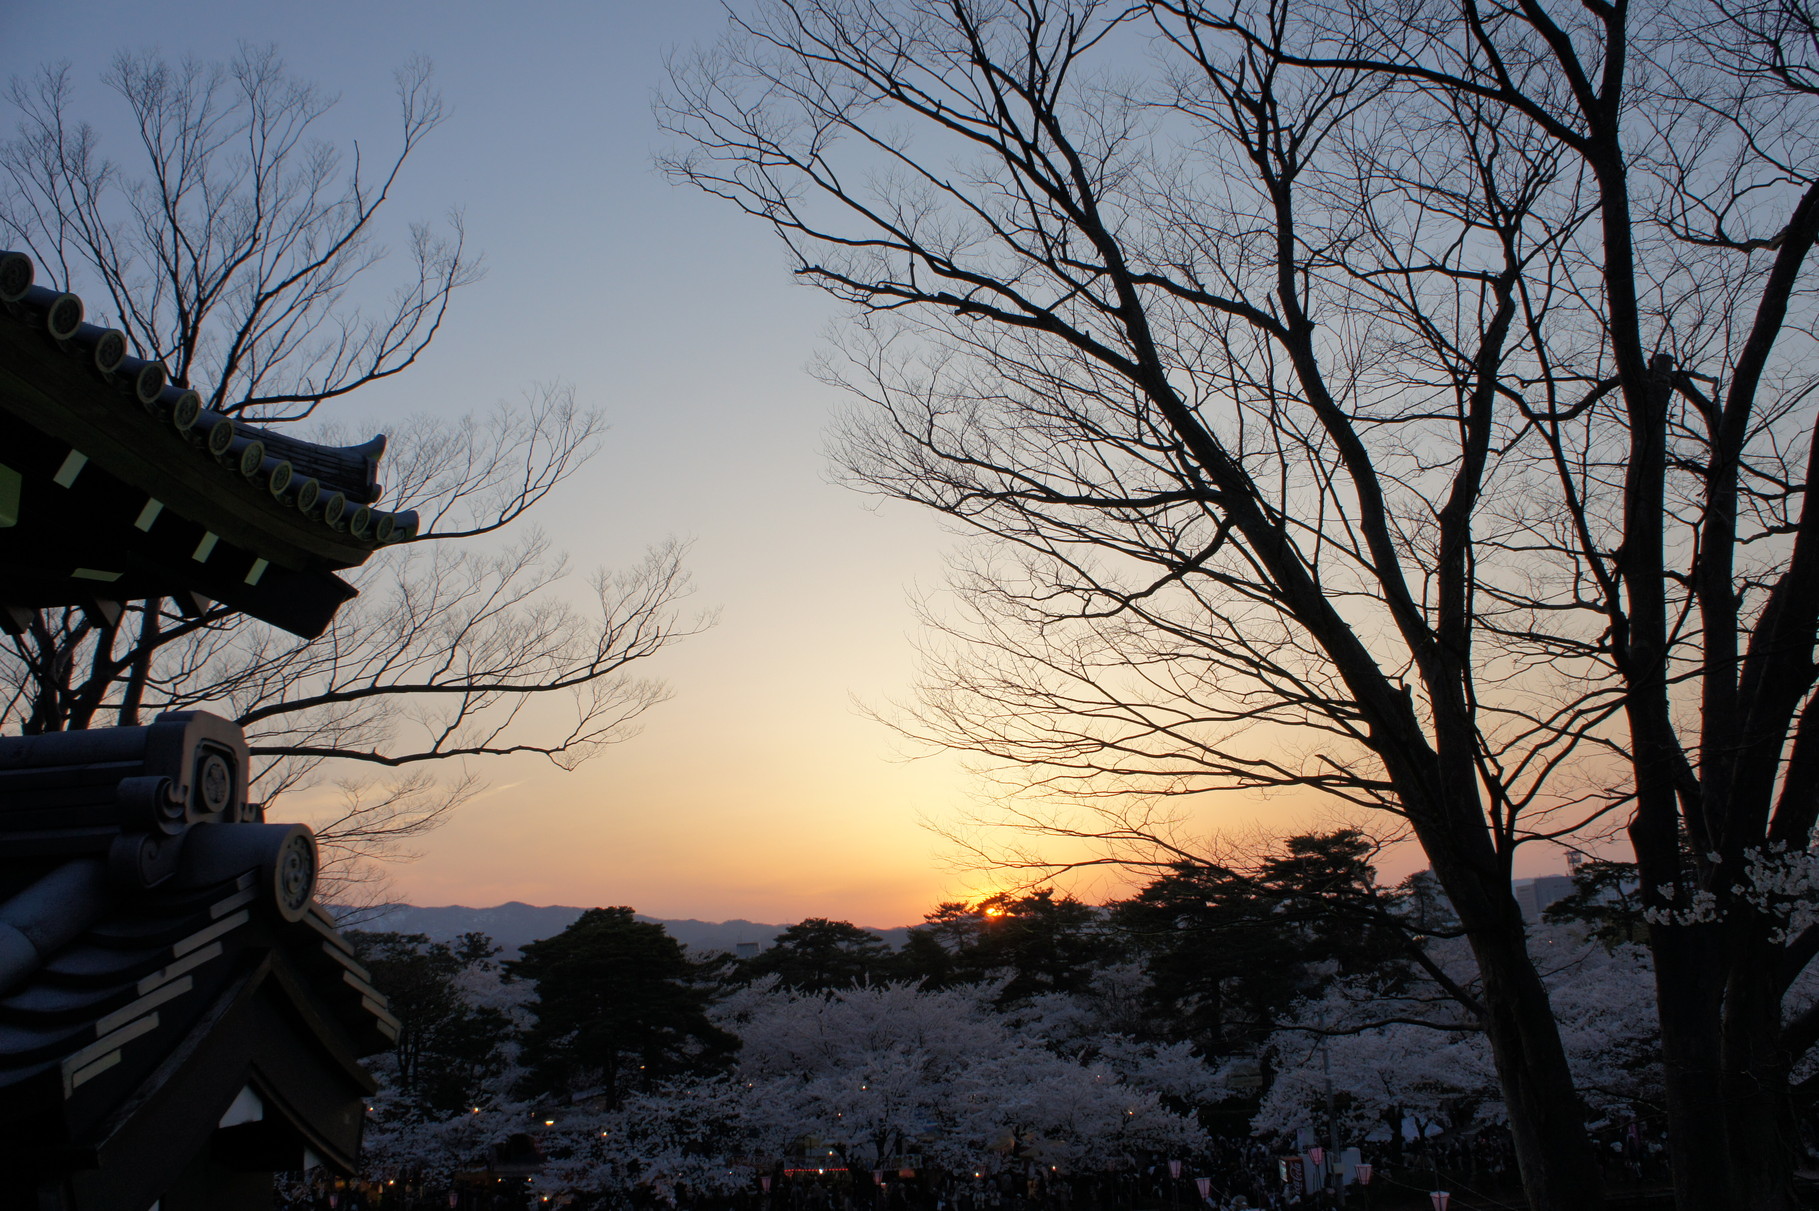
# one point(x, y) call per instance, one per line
point(619, 1006)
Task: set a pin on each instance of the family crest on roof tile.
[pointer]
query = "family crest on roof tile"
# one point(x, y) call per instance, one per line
point(163, 960)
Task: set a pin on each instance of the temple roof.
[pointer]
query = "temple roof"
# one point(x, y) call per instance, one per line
point(116, 485)
point(168, 986)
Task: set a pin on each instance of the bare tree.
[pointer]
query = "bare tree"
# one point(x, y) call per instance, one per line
point(229, 256)
point(1348, 401)
point(243, 251)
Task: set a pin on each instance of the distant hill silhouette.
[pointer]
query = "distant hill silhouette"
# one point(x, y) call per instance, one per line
point(515, 924)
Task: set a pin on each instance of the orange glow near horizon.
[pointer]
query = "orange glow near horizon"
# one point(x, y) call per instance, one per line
point(724, 845)
point(877, 871)
point(759, 790)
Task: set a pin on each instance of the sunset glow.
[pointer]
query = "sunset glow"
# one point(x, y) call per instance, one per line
point(760, 789)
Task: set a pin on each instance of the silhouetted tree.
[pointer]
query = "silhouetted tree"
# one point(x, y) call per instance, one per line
point(1038, 942)
point(930, 954)
point(619, 1005)
point(1230, 950)
point(447, 1047)
point(819, 955)
point(1606, 899)
point(234, 244)
point(1407, 405)
point(1033, 943)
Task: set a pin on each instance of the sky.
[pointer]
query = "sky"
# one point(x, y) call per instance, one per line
point(759, 790)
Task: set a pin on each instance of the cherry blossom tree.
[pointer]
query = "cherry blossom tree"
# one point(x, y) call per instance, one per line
point(1408, 1047)
point(866, 1076)
point(876, 1072)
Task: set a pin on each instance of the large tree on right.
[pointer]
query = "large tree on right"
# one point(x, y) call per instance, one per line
point(1410, 405)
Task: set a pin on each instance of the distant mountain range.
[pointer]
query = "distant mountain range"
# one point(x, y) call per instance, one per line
point(514, 925)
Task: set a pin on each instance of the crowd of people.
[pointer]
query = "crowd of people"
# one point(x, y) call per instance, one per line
point(1231, 1174)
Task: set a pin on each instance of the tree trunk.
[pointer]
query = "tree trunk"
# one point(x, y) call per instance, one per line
point(1546, 1115)
point(1547, 1119)
point(1690, 1000)
point(1756, 1108)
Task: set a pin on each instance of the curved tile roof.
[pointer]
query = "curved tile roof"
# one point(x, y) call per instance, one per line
point(218, 503)
point(162, 961)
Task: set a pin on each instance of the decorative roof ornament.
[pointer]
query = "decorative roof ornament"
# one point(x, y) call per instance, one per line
point(178, 1016)
point(161, 954)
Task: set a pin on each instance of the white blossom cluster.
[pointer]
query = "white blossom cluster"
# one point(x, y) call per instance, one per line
point(1409, 1050)
point(1701, 908)
point(874, 1077)
point(1783, 883)
point(854, 1080)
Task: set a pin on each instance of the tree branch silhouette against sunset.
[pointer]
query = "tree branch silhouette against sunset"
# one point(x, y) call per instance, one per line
point(230, 242)
point(1408, 408)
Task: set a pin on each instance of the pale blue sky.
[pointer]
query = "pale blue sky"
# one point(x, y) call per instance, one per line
point(757, 791)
